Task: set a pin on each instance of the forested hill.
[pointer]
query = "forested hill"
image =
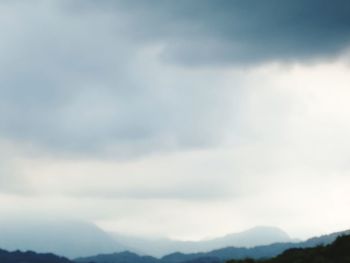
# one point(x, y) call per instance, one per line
point(30, 257)
point(337, 252)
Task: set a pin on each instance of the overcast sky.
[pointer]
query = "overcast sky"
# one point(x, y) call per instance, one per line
point(184, 119)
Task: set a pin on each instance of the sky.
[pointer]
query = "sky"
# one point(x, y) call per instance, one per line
point(181, 119)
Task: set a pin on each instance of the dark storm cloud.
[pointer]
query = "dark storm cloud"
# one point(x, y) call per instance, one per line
point(206, 32)
point(86, 76)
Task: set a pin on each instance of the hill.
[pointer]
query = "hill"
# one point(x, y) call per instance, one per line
point(215, 256)
point(257, 252)
point(67, 238)
point(256, 236)
point(30, 257)
point(337, 252)
point(123, 257)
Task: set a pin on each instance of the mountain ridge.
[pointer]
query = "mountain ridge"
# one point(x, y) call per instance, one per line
point(223, 254)
point(75, 239)
point(30, 257)
point(68, 238)
point(260, 235)
point(336, 252)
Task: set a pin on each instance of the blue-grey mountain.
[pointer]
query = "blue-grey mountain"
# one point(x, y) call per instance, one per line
point(63, 237)
point(216, 256)
point(159, 247)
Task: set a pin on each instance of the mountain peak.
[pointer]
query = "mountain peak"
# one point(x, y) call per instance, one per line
point(256, 236)
point(260, 235)
point(267, 232)
point(69, 238)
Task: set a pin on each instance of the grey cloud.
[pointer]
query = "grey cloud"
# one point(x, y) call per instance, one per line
point(197, 191)
point(73, 82)
point(205, 33)
point(85, 77)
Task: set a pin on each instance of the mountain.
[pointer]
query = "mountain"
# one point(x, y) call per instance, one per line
point(258, 252)
point(224, 254)
point(218, 255)
point(30, 257)
point(160, 247)
point(337, 252)
point(253, 237)
point(74, 239)
point(325, 239)
point(63, 237)
point(123, 257)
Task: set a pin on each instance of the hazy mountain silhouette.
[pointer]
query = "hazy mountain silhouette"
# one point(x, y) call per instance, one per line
point(257, 252)
point(62, 237)
point(122, 257)
point(160, 247)
point(324, 240)
point(216, 256)
point(74, 239)
point(30, 257)
point(81, 239)
point(337, 252)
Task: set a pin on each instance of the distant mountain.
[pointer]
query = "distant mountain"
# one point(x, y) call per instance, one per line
point(30, 257)
point(123, 257)
point(74, 239)
point(257, 252)
point(324, 240)
point(337, 252)
point(224, 254)
point(253, 237)
point(160, 247)
point(216, 256)
point(62, 237)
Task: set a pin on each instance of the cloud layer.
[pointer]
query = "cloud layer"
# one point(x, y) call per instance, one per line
point(199, 117)
point(108, 77)
point(73, 83)
point(211, 33)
